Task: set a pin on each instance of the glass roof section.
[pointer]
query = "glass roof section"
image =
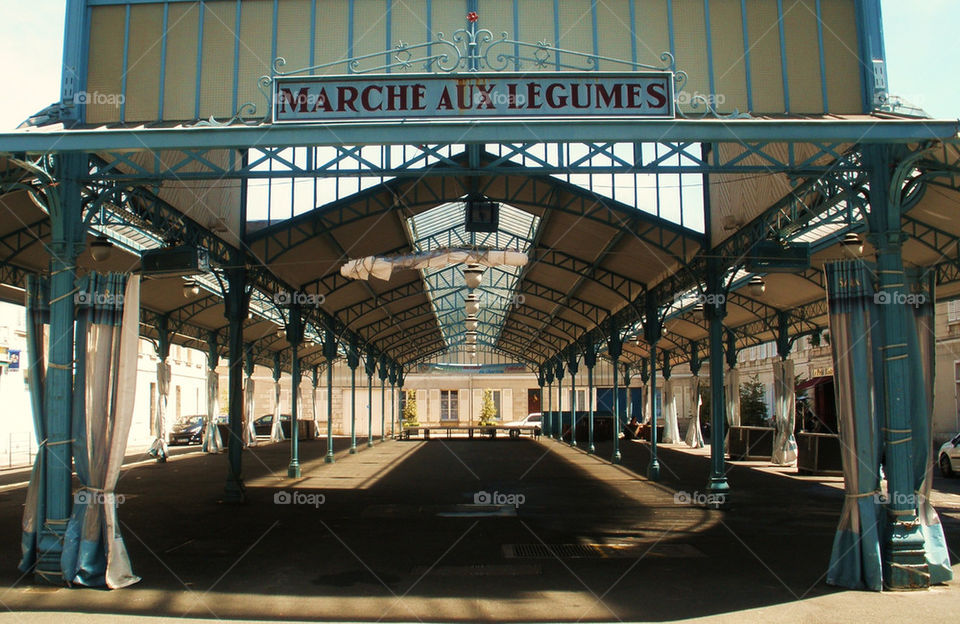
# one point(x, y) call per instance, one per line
point(443, 227)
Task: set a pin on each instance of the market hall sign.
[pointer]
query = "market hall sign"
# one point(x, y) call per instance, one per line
point(475, 96)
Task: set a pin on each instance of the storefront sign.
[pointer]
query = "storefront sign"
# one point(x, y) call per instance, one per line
point(473, 96)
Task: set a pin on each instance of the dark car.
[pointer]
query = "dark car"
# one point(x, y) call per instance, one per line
point(187, 430)
point(264, 424)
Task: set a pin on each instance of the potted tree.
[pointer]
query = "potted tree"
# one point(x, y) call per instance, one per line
point(410, 423)
point(488, 414)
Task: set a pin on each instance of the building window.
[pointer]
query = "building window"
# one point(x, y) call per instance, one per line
point(449, 408)
point(953, 311)
point(581, 403)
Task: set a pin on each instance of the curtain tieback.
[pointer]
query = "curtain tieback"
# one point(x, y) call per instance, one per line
point(64, 296)
point(863, 494)
point(61, 366)
point(46, 442)
point(901, 441)
point(896, 430)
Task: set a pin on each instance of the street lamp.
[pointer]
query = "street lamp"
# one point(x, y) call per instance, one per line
point(757, 286)
point(100, 248)
point(473, 304)
point(190, 288)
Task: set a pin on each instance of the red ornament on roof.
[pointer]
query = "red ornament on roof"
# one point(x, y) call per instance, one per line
point(472, 16)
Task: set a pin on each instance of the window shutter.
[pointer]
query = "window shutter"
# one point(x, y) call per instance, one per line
point(506, 404)
point(477, 404)
point(434, 413)
point(463, 405)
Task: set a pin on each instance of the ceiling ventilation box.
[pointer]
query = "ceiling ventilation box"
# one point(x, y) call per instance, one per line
point(481, 215)
point(772, 256)
point(173, 261)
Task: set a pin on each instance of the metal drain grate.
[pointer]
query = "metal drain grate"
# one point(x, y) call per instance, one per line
point(550, 551)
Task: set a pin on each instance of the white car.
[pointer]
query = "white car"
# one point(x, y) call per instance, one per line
point(530, 421)
point(949, 457)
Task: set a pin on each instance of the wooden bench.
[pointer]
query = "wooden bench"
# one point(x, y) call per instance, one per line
point(471, 431)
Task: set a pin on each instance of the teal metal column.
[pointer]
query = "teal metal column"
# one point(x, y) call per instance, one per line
point(590, 360)
point(329, 352)
point(615, 350)
point(236, 305)
point(370, 366)
point(353, 360)
point(715, 309)
point(384, 373)
point(572, 367)
point(904, 553)
point(558, 373)
point(653, 330)
point(393, 399)
point(540, 382)
point(67, 236)
point(294, 337)
point(551, 425)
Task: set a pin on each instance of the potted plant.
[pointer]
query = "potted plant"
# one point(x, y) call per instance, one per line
point(410, 411)
point(488, 414)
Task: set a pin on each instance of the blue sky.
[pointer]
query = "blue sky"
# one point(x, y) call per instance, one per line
point(922, 41)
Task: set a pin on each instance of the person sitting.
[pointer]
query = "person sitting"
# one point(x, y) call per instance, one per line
point(632, 429)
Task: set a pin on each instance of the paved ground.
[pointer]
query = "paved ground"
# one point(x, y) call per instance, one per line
point(392, 538)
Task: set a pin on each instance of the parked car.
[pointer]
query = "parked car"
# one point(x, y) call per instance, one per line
point(187, 430)
point(949, 457)
point(531, 420)
point(264, 424)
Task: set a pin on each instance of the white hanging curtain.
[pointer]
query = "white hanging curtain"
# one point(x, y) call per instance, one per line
point(731, 383)
point(671, 430)
point(249, 431)
point(37, 316)
point(316, 413)
point(647, 403)
point(784, 399)
point(93, 550)
point(276, 428)
point(159, 425)
point(211, 433)
point(694, 435)
point(382, 267)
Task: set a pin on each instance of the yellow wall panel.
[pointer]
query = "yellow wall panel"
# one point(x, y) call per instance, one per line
point(293, 28)
point(105, 73)
point(840, 50)
point(653, 33)
point(331, 43)
point(576, 28)
point(803, 57)
point(497, 17)
point(408, 23)
point(216, 86)
point(690, 33)
point(536, 25)
point(369, 28)
point(180, 86)
point(613, 27)
point(729, 69)
point(256, 33)
point(765, 68)
point(448, 16)
point(143, 63)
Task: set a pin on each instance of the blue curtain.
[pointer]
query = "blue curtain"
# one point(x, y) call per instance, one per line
point(107, 340)
point(38, 315)
point(922, 348)
point(855, 561)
